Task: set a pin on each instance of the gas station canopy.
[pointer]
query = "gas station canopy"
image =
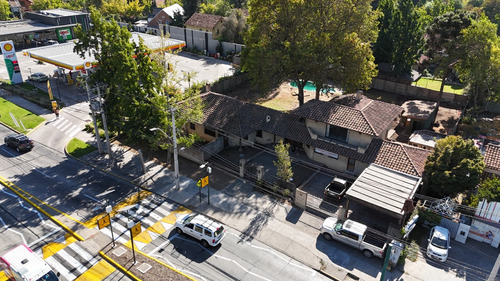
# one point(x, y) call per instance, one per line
point(62, 55)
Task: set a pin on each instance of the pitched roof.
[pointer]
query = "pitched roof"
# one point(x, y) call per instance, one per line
point(401, 157)
point(492, 157)
point(173, 9)
point(419, 109)
point(205, 21)
point(366, 116)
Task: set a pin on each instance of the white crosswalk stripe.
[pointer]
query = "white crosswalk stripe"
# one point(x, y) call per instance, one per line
point(147, 212)
point(72, 261)
point(65, 126)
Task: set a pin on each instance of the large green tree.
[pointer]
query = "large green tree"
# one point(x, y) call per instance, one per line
point(306, 40)
point(190, 7)
point(234, 26)
point(489, 189)
point(400, 36)
point(479, 66)
point(455, 165)
point(138, 91)
point(443, 41)
point(5, 13)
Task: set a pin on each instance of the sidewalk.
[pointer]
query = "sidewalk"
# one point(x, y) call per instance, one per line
point(233, 202)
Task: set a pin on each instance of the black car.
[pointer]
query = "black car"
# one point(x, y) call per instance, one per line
point(19, 141)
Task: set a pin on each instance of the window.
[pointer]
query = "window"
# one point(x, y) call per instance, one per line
point(210, 132)
point(189, 225)
point(192, 126)
point(349, 234)
point(208, 233)
point(350, 164)
point(198, 229)
point(259, 133)
point(337, 133)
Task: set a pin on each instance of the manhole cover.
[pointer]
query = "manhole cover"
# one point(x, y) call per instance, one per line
point(143, 268)
point(119, 251)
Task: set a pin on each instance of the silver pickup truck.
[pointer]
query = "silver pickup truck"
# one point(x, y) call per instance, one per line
point(355, 235)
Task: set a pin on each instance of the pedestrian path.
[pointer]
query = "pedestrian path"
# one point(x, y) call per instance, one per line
point(156, 218)
point(64, 125)
point(75, 263)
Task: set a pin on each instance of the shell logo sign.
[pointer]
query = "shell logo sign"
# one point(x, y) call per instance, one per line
point(7, 47)
point(87, 65)
point(10, 58)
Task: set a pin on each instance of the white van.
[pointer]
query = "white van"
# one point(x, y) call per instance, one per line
point(439, 243)
point(21, 264)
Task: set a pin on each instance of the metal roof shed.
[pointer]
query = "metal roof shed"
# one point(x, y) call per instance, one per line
point(384, 190)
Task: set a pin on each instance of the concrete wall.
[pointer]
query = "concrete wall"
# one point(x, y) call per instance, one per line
point(415, 92)
point(228, 84)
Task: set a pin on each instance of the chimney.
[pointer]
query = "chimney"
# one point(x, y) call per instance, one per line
point(207, 87)
point(359, 93)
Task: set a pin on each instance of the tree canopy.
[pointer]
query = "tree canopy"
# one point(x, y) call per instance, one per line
point(455, 165)
point(5, 13)
point(489, 190)
point(138, 91)
point(307, 40)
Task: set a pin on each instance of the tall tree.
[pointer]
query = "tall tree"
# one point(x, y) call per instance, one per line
point(284, 38)
point(138, 91)
point(443, 39)
point(479, 66)
point(46, 4)
point(283, 163)
point(455, 165)
point(384, 47)
point(408, 38)
point(215, 7)
point(489, 190)
point(491, 9)
point(190, 7)
point(5, 13)
point(234, 26)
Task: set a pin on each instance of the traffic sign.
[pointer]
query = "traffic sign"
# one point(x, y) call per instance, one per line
point(135, 230)
point(204, 181)
point(103, 222)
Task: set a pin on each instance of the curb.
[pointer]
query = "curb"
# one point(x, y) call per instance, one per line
point(60, 224)
point(117, 265)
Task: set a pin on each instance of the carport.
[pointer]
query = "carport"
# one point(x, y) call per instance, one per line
point(63, 56)
point(385, 191)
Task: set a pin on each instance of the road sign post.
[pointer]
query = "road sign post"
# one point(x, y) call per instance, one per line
point(134, 231)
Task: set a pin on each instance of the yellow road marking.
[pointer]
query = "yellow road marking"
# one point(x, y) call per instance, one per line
point(143, 237)
point(12, 186)
point(133, 199)
point(54, 247)
point(157, 228)
point(56, 221)
point(182, 210)
point(99, 271)
point(171, 218)
point(3, 276)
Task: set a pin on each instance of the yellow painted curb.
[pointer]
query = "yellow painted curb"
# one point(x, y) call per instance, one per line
point(117, 265)
point(56, 221)
point(99, 271)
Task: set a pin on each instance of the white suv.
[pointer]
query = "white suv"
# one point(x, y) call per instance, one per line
point(439, 243)
point(202, 228)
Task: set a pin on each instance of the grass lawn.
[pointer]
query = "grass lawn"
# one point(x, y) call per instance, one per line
point(435, 84)
point(78, 148)
point(22, 116)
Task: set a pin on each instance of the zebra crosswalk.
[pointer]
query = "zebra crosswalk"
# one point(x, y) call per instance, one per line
point(73, 261)
point(155, 218)
point(65, 126)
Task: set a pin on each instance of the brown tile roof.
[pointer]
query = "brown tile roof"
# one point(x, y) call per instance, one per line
point(369, 117)
point(401, 157)
point(241, 119)
point(492, 157)
point(205, 21)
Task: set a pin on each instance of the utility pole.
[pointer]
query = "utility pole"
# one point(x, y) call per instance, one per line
point(99, 144)
point(104, 124)
point(176, 161)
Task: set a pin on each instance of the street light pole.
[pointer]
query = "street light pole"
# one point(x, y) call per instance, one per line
point(174, 140)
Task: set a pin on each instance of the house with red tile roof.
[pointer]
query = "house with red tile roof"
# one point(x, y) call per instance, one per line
point(166, 15)
point(345, 138)
point(492, 160)
point(206, 22)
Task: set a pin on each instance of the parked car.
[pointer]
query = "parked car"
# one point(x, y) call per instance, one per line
point(209, 232)
point(439, 243)
point(336, 189)
point(355, 235)
point(38, 77)
point(51, 42)
point(19, 141)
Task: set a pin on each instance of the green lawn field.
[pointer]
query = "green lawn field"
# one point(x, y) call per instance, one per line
point(435, 84)
point(23, 120)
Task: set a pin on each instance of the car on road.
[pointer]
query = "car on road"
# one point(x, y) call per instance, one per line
point(439, 243)
point(209, 232)
point(19, 141)
point(38, 77)
point(336, 189)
